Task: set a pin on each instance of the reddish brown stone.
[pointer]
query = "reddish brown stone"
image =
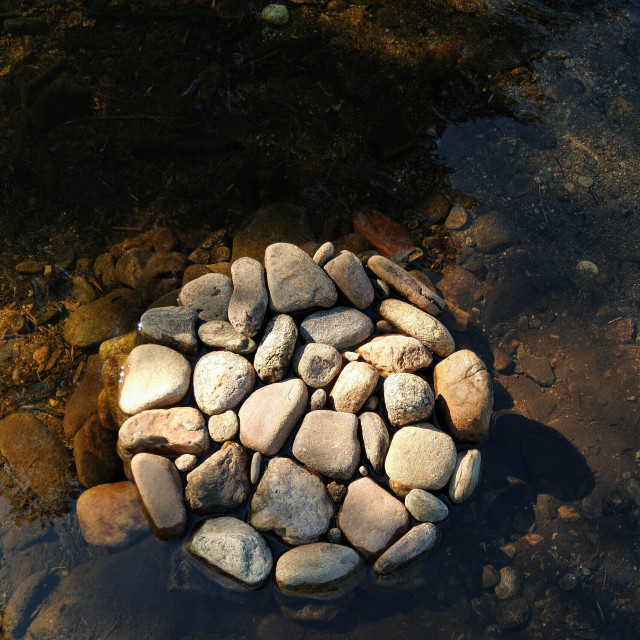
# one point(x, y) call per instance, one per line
point(385, 234)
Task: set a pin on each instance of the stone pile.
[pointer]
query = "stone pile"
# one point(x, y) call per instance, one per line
point(302, 390)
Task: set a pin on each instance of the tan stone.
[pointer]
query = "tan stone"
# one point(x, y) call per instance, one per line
point(395, 354)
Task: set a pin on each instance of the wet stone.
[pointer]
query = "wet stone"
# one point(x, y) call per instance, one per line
point(323, 254)
point(395, 354)
point(234, 549)
point(317, 400)
point(130, 266)
point(159, 488)
point(221, 381)
point(154, 376)
point(224, 426)
point(295, 281)
point(347, 272)
point(110, 515)
point(425, 507)
point(317, 364)
point(536, 367)
point(327, 442)
point(415, 544)
point(492, 232)
point(94, 452)
point(29, 267)
point(249, 299)
point(275, 350)
point(291, 503)
point(512, 614)
point(173, 327)
point(171, 431)
point(375, 437)
point(103, 268)
point(465, 476)
point(82, 291)
point(420, 325)
point(457, 218)
point(222, 335)
point(510, 583)
point(340, 327)
point(406, 285)
point(371, 519)
point(354, 385)
point(408, 398)
point(165, 265)
point(269, 415)
point(209, 295)
point(421, 457)
point(84, 399)
point(221, 483)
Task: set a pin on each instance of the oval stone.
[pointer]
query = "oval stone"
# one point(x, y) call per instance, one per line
point(276, 348)
point(340, 327)
point(222, 335)
point(347, 272)
point(317, 364)
point(249, 299)
point(408, 398)
point(465, 477)
point(395, 354)
point(414, 545)
point(421, 457)
point(234, 549)
point(209, 295)
point(425, 507)
point(354, 385)
point(375, 437)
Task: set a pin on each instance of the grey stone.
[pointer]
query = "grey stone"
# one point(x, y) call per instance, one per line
point(371, 519)
point(334, 535)
point(234, 549)
point(222, 335)
point(425, 507)
point(323, 254)
point(209, 295)
point(249, 299)
point(159, 488)
point(395, 354)
point(224, 426)
point(295, 281)
point(406, 285)
point(347, 272)
point(291, 503)
point(421, 457)
point(317, 568)
point(464, 396)
point(491, 232)
point(465, 476)
point(375, 438)
point(327, 442)
point(174, 431)
point(130, 266)
point(317, 364)
point(415, 544)
point(317, 400)
point(418, 324)
point(256, 467)
point(269, 415)
point(173, 327)
point(154, 376)
point(222, 380)
point(275, 350)
point(354, 385)
point(221, 483)
point(341, 327)
point(408, 398)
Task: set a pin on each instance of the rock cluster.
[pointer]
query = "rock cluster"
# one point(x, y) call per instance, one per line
point(275, 388)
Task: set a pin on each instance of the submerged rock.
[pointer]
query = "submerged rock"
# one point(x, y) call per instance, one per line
point(414, 545)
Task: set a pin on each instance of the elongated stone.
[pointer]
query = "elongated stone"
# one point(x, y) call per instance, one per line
point(375, 437)
point(465, 476)
point(414, 545)
point(395, 354)
point(354, 385)
point(249, 299)
point(340, 327)
point(222, 335)
point(347, 272)
point(275, 350)
point(425, 507)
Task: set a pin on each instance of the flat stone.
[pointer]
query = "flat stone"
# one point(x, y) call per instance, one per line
point(318, 400)
point(327, 442)
point(464, 396)
point(371, 519)
point(420, 325)
point(395, 354)
point(222, 335)
point(491, 232)
point(209, 295)
point(465, 476)
point(222, 380)
point(94, 452)
point(159, 489)
point(425, 507)
point(408, 398)
point(224, 426)
point(83, 402)
point(415, 544)
point(406, 285)
point(347, 272)
point(107, 317)
point(375, 437)
point(110, 515)
point(154, 376)
point(291, 503)
point(250, 298)
point(221, 483)
point(275, 350)
point(536, 367)
point(317, 568)
point(295, 281)
point(341, 327)
point(172, 431)
point(317, 364)
point(512, 613)
point(234, 549)
point(269, 415)
point(354, 385)
point(173, 327)
point(421, 457)
point(323, 254)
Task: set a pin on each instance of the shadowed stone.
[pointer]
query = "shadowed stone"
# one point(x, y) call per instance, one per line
point(94, 452)
point(425, 507)
point(275, 350)
point(465, 476)
point(173, 327)
point(221, 335)
point(414, 545)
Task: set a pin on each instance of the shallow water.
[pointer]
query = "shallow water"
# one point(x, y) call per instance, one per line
point(535, 127)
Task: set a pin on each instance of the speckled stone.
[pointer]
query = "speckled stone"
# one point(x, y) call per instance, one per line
point(223, 426)
point(250, 298)
point(222, 335)
point(275, 350)
point(173, 327)
point(317, 364)
point(317, 400)
point(209, 295)
point(408, 398)
point(340, 327)
point(354, 385)
point(347, 272)
point(395, 354)
point(425, 507)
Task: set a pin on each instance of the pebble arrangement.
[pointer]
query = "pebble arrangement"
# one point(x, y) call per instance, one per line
point(310, 375)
